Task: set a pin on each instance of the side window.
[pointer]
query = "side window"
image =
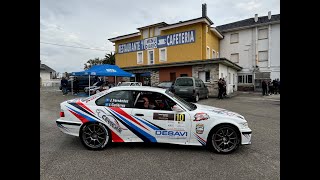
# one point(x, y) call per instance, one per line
point(198, 83)
point(152, 100)
point(121, 99)
point(202, 84)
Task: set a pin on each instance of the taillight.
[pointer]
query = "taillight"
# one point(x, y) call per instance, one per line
point(61, 114)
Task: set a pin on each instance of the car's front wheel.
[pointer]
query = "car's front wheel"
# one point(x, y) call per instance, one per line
point(224, 139)
point(95, 136)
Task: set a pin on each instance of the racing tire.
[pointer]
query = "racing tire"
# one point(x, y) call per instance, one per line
point(224, 139)
point(196, 99)
point(95, 136)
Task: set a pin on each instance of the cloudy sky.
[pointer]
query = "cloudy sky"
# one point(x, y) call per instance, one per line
point(90, 23)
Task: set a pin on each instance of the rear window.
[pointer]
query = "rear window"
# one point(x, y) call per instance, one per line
point(184, 82)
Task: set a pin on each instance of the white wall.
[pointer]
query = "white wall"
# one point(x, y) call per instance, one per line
point(45, 76)
point(246, 47)
point(233, 81)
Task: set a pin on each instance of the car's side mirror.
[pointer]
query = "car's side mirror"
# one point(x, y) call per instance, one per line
point(177, 108)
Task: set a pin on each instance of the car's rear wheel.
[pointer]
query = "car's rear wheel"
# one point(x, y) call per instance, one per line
point(224, 139)
point(196, 99)
point(95, 136)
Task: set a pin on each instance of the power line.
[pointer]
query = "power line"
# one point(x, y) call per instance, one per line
point(75, 46)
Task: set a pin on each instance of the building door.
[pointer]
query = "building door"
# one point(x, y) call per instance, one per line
point(172, 76)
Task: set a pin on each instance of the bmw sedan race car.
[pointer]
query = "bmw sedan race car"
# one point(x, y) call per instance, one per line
point(149, 114)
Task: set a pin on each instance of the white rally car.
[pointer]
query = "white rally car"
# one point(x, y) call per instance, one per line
point(148, 114)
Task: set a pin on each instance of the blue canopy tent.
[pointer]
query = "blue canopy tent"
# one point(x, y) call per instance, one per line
point(104, 70)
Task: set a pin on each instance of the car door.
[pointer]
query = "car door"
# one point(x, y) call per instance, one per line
point(114, 109)
point(204, 89)
point(198, 88)
point(159, 122)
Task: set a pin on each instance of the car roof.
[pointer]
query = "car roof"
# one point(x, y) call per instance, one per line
point(138, 88)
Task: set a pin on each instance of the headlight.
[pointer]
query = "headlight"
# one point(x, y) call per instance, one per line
point(244, 125)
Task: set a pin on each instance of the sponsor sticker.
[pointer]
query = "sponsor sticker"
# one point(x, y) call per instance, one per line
point(163, 116)
point(199, 128)
point(171, 134)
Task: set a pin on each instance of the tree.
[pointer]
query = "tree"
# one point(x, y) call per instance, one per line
point(91, 62)
point(109, 59)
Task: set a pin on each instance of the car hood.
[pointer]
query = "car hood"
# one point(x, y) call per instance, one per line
point(218, 111)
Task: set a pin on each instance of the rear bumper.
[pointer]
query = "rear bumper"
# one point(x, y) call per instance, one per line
point(71, 128)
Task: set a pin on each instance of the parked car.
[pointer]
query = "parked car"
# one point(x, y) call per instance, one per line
point(129, 84)
point(149, 114)
point(166, 85)
point(83, 82)
point(190, 88)
point(96, 87)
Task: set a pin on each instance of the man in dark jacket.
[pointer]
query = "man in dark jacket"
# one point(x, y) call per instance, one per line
point(76, 85)
point(64, 85)
point(264, 88)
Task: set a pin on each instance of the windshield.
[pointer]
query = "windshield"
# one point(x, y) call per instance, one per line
point(165, 84)
point(124, 84)
point(188, 105)
point(184, 82)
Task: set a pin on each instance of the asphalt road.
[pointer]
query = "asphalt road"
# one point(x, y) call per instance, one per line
point(64, 157)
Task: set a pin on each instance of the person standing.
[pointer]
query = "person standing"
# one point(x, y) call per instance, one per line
point(220, 86)
point(264, 88)
point(64, 86)
point(76, 85)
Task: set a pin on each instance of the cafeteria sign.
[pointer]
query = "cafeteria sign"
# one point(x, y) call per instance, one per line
point(158, 42)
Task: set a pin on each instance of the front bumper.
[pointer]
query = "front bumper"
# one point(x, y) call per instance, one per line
point(246, 137)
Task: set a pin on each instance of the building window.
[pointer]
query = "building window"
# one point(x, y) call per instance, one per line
point(249, 78)
point(263, 33)
point(263, 56)
point(244, 79)
point(204, 76)
point(214, 54)
point(145, 33)
point(163, 54)
point(151, 57)
point(229, 78)
point(234, 57)
point(140, 57)
point(156, 31)
point(183, 75)
point(234, 38)
point(208, 52)
point(207, 77)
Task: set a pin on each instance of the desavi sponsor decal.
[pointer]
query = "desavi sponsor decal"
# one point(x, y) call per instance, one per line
point(171, 134)
point(116, 102)
point(201, 116)
point(163, 116)
point(199, 128)
point(158, 42)
point(115, 125)
point(180, 117)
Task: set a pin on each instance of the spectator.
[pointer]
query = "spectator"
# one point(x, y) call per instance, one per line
point(264, 88)
point(76, 85)
point(64, 86)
